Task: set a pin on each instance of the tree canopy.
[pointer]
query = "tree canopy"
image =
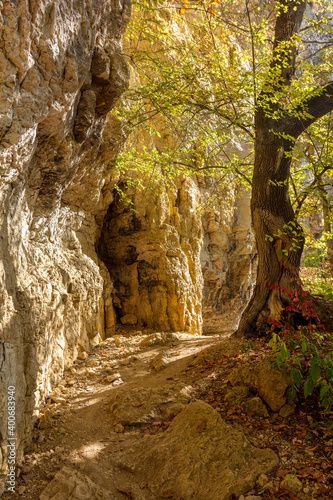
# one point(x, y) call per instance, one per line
point(241, 90)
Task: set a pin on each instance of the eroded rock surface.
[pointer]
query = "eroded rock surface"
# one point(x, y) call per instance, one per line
point(61, 71)
point(228, 260)
point(200, 456)
point(152, 251)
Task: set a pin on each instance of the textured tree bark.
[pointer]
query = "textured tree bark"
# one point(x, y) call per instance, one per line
point(279, 237)
point(327, 229)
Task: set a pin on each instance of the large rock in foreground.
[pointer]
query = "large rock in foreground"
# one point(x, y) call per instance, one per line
point(200, 456)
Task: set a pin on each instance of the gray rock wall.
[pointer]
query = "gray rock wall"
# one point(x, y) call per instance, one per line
point(60, 73)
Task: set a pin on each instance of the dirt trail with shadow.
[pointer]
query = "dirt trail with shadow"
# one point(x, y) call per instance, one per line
point(76, 427)
point(132, 386)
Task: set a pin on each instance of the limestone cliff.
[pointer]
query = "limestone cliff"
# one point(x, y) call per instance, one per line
point(173, 269)
point(61, 70)
point(152, 251)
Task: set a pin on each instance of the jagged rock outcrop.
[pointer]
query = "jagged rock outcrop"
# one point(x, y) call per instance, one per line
point(61, 70)
point(152, 251)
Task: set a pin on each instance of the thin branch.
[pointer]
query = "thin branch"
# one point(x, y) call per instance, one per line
point(221, 72)
point(293, 185)
point(254, 70)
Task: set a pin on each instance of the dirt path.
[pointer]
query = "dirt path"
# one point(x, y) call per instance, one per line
point(130, 387)
point(76, 426)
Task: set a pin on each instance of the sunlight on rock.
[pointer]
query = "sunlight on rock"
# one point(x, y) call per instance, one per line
point(91, 450)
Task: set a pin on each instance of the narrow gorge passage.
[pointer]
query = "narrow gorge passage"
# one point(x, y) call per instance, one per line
point(124, 268)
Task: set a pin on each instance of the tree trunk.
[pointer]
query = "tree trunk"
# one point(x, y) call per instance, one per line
point(279, 237)
point(327, 229)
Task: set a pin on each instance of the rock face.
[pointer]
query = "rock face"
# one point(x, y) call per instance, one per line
point(228, 260)
point(200, 456)
point(173, 269)
point(152, 251)
point(60, 73)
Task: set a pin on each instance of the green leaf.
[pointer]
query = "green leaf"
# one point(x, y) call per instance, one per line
point(315, 369)
point(291, 393)
point(329, 372)
point(304, 346)
point(308, 387)
point(324, 390)
point(296, 375)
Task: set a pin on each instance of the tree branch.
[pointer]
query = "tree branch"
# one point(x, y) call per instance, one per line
point(316, 107)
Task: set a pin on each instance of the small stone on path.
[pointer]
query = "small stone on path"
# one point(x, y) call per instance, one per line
point(292, 483)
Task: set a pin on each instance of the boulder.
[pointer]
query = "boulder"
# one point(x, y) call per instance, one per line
point(287, 410)
point(162, 338)
point(159, 362)
point(199, 456)
point(256, 406)
point(269, 381)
